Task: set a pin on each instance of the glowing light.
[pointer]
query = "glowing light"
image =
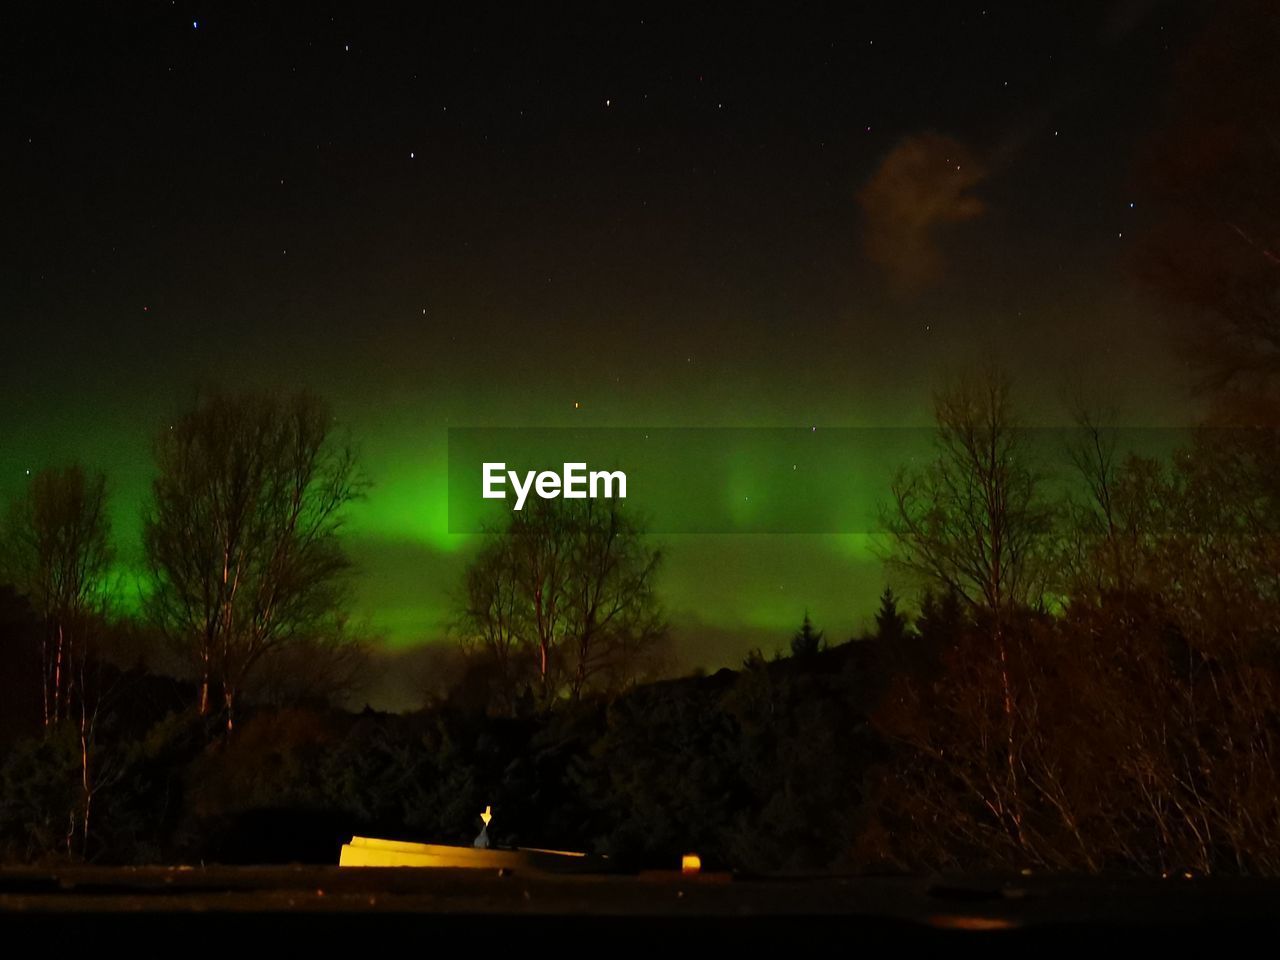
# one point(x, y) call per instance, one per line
point(953, 922)
point(691, 863)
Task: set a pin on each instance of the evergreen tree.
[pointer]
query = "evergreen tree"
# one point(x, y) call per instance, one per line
point(891, 625)
point(807, 640)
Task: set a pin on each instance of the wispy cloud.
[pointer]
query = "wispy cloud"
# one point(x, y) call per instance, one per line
point(923, 184)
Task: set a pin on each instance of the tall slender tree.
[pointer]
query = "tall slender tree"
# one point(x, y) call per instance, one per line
point(976, 522)
point(57, 550)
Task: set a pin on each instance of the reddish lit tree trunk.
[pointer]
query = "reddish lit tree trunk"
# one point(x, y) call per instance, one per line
point(44, 677)
point(57, 677)
point(86, 790)
point(1015, 805)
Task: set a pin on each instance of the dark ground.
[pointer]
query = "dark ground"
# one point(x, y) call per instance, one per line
point(326, 904)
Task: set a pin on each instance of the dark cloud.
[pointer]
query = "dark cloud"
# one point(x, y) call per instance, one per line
point(923, 184)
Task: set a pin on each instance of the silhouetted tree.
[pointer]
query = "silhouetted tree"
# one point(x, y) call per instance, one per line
point(617, 628)
point(242, 534)
point(57, 551)
point(562, 599)
point(1095, 555)
point(807, 641)
point(975, 522)
point(891, 626)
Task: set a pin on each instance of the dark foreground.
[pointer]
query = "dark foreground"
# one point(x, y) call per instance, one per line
point(314, 905)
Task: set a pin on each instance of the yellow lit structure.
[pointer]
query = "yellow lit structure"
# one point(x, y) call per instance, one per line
point(691, 863)
point(373, 852)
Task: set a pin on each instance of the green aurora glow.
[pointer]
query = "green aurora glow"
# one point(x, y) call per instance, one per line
point(725, 592)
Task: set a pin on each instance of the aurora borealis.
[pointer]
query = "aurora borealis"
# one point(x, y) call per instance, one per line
point(455, 219)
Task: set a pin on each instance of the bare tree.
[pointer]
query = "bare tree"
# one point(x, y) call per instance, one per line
point(242, 534)
point(57, 549)
point(492, 621)
point(98, 692)
point(975, 521)
point(1093, 548)
point(1143, 712)
point(563, 599)
point(614, 615)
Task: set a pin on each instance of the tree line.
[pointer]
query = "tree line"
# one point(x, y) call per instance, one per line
point(244, 565)
point(1105, 695)
point(1088, 681)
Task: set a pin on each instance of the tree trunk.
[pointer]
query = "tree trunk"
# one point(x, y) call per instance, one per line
point(1011, 752)
point(57, 677)
point(85, 786)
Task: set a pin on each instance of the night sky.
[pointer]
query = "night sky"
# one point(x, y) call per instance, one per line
point(442, 218)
